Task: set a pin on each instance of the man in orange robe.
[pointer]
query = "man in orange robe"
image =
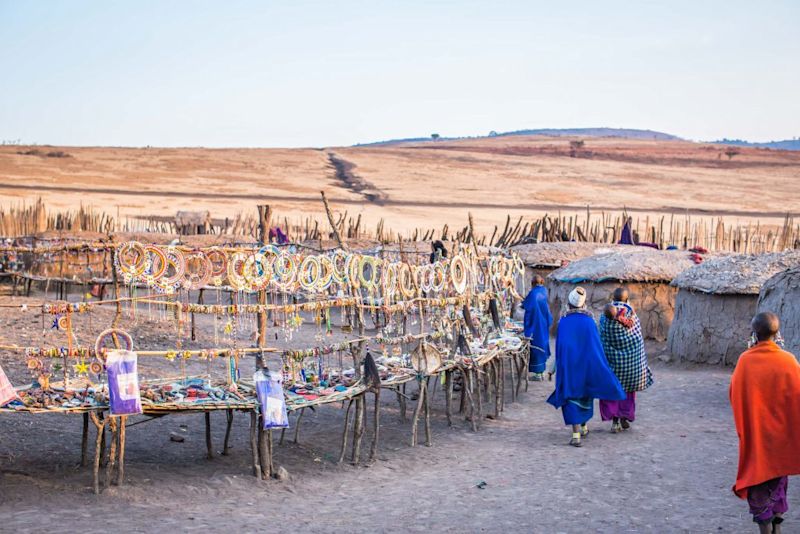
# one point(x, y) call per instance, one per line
point(765, 396)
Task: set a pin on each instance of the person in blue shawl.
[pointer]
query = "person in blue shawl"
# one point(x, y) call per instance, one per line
point(582, 371)
point(538, 321)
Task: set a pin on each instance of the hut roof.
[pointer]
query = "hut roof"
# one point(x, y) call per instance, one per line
point(631, 264)
point(356, 245)
point(205, 240)
point(555, 253)
point(789, 278)
point(69, 235)
point(198, 218)
point(740, 274)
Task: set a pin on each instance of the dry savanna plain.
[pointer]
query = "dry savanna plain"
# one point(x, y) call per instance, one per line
point(409, 185)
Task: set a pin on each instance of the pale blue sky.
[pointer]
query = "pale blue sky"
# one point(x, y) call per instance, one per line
point(300, 73)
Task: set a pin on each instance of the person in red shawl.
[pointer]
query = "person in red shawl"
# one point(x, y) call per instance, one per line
point(765, 397)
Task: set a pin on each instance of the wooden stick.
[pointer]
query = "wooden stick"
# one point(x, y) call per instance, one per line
point(98, 450)
point(462, 405)
point(85, 440)
point(344, 433)
point(522, 370)
point(263, 452)
point(467, 386)
point(417, 411)
point(270, 464)
point(428, 441)
point(209, 444)
point(254, 442)
point(502, 385)
point(297, 425)
point(358, 428)
point(401, 399)
point(335, 228)
point(226, 443)
point(479, 391)
point(448, 397)
point(376, 422)
point(513, 366)
point(112, 456)
point(497, 391)
point(121, 450)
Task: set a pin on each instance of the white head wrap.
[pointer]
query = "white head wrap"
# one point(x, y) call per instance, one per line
point(577, 297)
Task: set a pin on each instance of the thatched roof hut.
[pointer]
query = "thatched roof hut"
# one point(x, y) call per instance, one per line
point(193, 222)
point(781, 295)
point(544, 258)
point(554, 254)
point(715, 303)
point(646, 273)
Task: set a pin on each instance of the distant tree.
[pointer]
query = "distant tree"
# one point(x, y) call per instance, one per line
point(492, 134)
point(435, 137)
point(732, 151)
point(575, 147)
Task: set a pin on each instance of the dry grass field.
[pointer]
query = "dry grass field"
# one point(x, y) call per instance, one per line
point(415, 184)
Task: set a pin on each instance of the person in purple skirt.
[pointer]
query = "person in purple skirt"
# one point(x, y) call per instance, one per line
point(623, 344)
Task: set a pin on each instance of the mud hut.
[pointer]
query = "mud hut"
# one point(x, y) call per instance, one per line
point(646, 273)
point(544, 258)
point(193, 222)
point(715, 303)
point(781, 294)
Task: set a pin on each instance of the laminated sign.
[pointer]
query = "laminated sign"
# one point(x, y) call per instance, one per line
point(269, 389)
point(123, 383)
point(7, 392)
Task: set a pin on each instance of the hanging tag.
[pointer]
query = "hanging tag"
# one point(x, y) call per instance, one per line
point(269, 390)
point(7, 391)
point(123, 382)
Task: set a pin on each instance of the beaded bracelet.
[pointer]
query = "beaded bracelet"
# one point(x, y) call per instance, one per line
point(236, 279)
point(158, 264)
point(353, 268)
point(389, 279)
point(219, 264)
point(340, 263)
point(326, 273)
point(197, 278)
point(405, 281)
point(370, 282)
point(131, 268)
point(170, 282)
point(257, 271)
point(438, 277)
point(458, 274)
point(285, 268)
point(121, 336)
point(309, 273)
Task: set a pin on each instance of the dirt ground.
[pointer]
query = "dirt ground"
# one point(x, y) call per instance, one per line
point(671, 473)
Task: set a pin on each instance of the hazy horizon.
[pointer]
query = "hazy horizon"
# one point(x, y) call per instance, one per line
point(314, 74)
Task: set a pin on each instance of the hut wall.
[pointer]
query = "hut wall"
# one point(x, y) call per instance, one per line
point(781, 295)
point(710, 328)
point(654, 302)
point(530, 272)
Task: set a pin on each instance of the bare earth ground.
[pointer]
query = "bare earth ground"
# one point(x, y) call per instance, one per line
point(671, 473)
point(420, 185)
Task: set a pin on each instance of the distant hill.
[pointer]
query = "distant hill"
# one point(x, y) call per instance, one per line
point(627, 133)
point(786, 144)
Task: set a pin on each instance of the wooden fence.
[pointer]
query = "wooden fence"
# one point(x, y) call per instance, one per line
point(682, 231)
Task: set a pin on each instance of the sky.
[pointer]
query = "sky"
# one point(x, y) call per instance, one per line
point(329, 73)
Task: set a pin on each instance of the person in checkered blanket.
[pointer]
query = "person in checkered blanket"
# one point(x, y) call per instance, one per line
point(623, 344)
